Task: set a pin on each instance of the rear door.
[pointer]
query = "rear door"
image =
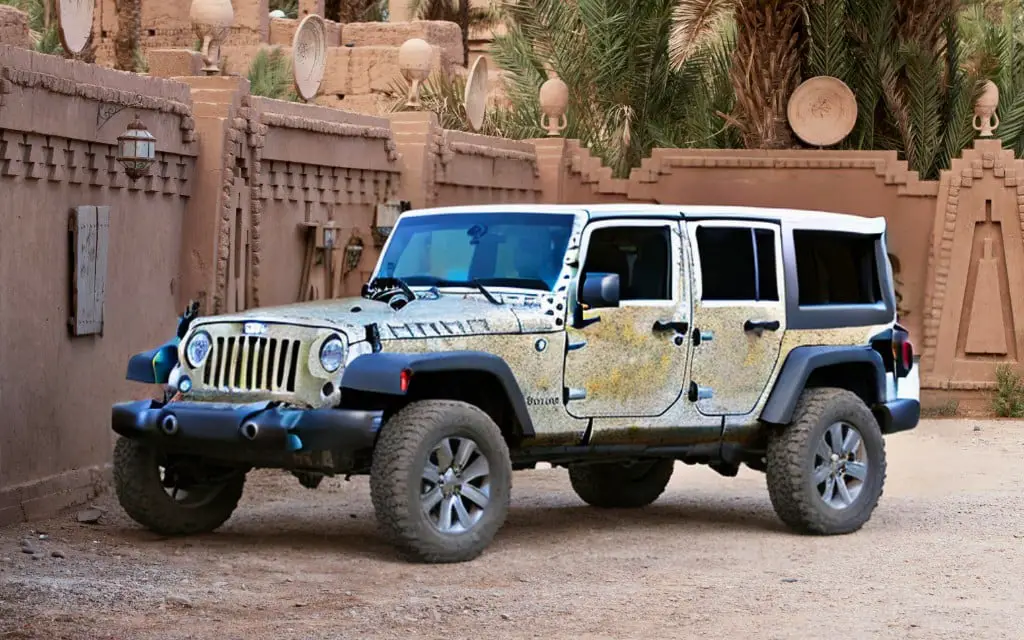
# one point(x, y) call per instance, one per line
point(739, 312)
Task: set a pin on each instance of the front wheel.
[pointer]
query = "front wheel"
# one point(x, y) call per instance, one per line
point(826, 469)
point(173, 495)
point(441, 480)
point(621, 485)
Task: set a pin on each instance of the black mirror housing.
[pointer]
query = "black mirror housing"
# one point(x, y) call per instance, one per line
point(600, 290)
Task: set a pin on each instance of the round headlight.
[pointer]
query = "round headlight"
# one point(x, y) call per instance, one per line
point(332, 354)
point(197, 349)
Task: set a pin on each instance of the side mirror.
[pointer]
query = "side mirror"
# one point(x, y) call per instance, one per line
point(600, 290)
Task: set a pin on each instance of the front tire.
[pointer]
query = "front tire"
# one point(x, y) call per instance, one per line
point(617, 485)
point(441, 480)
point(826, 469)
point(173, 497)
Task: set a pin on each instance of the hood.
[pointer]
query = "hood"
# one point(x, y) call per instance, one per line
point(445, 316)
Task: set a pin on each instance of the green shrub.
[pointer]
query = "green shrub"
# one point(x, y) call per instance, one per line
point(270, 75)
point(1009, 399)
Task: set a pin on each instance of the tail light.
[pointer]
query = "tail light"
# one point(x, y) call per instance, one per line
point(902, 352)
point(896, 350)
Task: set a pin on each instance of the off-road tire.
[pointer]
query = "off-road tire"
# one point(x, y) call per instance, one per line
point(611, 485)
point(142, 495)
point(402, 449)
point(790, 457)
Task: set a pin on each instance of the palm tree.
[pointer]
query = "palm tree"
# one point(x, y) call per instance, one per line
point(765, 65)
point(625, 95)
point(765, 70)
point(994, 49)
point(129, 34)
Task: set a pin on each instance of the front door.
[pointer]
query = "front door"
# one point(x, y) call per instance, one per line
point(739, 314)
point(632, 361)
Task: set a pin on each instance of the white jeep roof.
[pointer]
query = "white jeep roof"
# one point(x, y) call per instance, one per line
point(792, 218)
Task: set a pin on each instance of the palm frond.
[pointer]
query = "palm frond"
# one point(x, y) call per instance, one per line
point(270, 75)
point(828, 52)
point(694, 23)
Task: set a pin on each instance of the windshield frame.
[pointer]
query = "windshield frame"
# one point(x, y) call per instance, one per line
point(486, 210)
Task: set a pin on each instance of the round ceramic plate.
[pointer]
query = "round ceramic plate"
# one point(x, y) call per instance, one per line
point(822, 111)
point(309, 50)
point(75, 18)
point(476, 93)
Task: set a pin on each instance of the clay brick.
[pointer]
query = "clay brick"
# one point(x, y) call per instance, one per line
point(14, 27)
point(172, 63)
point(445, 35)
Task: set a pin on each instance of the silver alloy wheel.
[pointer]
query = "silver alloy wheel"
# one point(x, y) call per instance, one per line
point(840, 465)
point(456, 485)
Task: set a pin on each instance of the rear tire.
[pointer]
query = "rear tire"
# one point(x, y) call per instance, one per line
point(616, 485)
point(195, 507)
point(441, 480)
point(826, 469)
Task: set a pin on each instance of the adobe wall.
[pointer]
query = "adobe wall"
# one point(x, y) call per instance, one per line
point(450, 168)
point(166, 25)
point(59, 122)
point(14, 27)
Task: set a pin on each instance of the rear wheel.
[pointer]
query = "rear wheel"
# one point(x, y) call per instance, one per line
point(441, 480)
point(632, 484)
point(173, 495)
point(826, 469)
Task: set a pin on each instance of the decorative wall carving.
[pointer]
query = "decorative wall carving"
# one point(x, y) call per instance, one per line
point(974, 305)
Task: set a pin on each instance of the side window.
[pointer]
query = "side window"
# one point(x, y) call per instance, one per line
point(642, 256)
point(836, 268)
point(737, 263)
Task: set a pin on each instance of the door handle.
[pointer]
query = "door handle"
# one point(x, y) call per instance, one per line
point(671, 325)
point(761, 325)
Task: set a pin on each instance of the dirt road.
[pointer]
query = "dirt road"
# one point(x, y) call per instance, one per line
point(943, 557)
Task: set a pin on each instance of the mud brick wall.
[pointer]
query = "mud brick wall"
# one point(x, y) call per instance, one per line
point(14, 27)
point(318, 165)
point(166, 25)
point(59, 122)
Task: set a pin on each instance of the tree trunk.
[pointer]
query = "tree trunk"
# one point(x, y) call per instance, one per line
point(765, 69)
point(129, 32)
point(464, 25)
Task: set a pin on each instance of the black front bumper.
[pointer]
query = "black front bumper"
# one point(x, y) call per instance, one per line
point(258, 427)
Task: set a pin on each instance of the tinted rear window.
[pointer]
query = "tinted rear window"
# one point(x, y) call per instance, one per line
point(836, 268)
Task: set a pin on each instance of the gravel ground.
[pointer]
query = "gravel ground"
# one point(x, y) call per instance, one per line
point(943, 557)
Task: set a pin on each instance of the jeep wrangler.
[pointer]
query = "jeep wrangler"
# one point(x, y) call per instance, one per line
point(613, 340)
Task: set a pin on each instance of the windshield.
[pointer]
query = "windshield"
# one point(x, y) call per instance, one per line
point(498, 249)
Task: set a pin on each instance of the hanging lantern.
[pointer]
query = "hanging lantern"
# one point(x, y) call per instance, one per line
point(136, 149)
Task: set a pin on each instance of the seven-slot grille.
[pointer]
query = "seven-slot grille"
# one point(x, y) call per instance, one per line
point(250, 363)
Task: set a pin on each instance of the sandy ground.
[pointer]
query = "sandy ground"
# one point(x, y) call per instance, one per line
point(943, 557)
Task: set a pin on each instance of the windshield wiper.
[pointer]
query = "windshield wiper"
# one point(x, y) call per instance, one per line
point(476, 284)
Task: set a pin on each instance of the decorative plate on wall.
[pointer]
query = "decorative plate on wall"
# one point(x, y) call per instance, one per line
point(309, 52)
point(822, 111)
point(75, 19)
point(476, 93)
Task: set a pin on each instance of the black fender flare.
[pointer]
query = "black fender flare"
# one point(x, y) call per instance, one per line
point(381, 373)
point(153, 366)
point(801, 362)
